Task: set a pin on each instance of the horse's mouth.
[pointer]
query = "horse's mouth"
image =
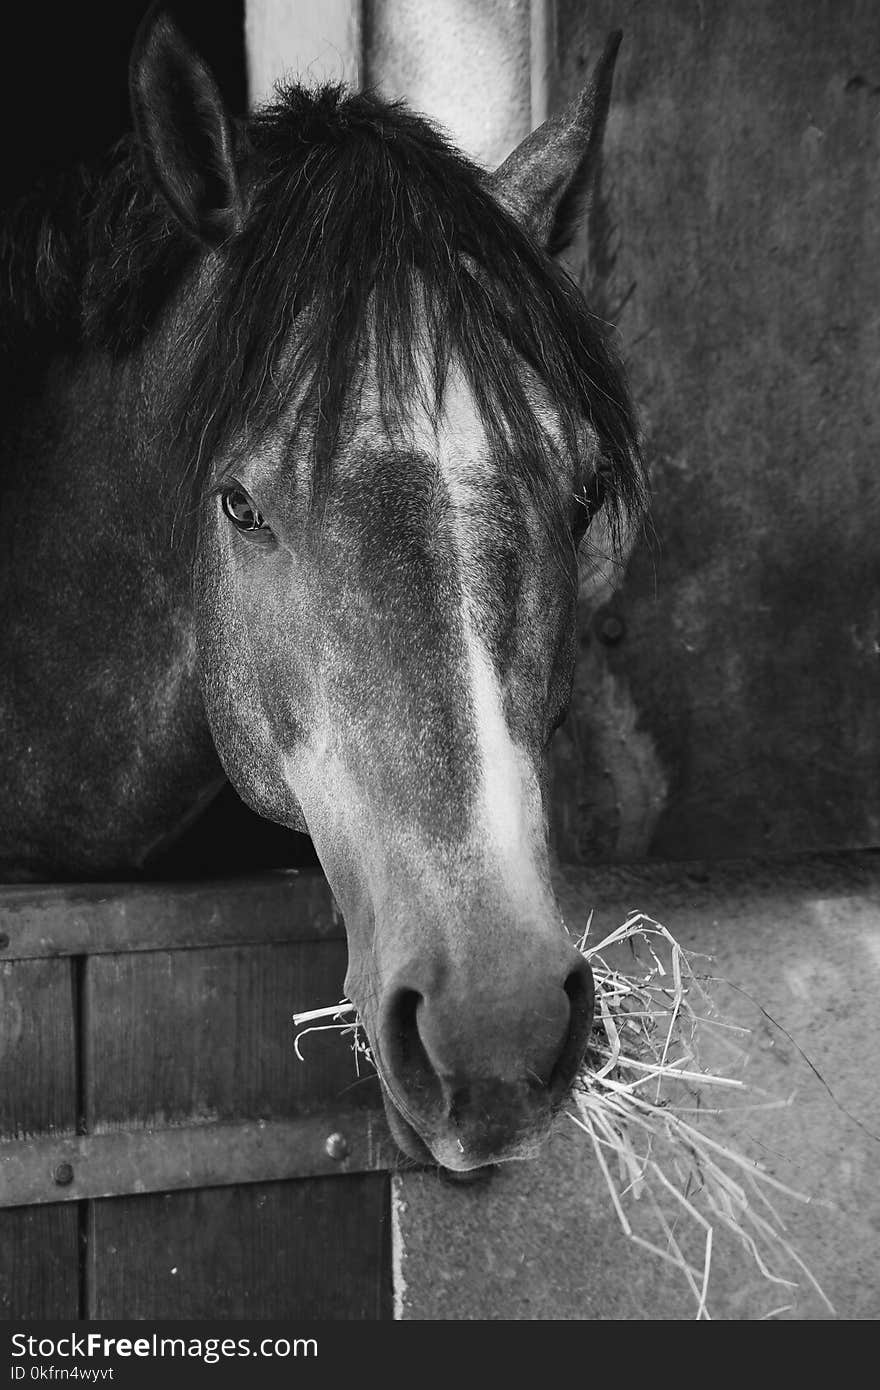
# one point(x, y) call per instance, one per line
point(413, 1147)
point(449, 1153)
point(404, 1134)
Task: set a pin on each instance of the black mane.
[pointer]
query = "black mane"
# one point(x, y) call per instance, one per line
point(362, 216)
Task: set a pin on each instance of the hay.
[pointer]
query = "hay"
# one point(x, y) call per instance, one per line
point(643, 1075)
point(640, 1098)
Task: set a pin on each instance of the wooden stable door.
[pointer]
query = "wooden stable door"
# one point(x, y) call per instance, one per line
point(163, 1152)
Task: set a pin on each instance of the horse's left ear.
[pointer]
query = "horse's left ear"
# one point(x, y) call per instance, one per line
point(545, 183)
point(184, 130)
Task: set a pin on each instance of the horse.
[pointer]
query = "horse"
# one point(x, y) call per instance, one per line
point(307, 435)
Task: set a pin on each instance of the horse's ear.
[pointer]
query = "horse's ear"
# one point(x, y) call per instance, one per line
point(184, 130)
point(545, 183)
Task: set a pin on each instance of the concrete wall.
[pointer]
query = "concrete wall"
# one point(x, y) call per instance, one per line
point(735, 246)
point(310, 41)
point(465, 64)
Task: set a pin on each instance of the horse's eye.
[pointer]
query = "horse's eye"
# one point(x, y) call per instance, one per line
point(580, 520)
point(240, 509)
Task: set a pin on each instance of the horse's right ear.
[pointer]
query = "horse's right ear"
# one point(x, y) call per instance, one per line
point(184, 131)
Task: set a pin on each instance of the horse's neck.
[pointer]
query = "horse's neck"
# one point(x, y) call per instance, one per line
point(97, 651)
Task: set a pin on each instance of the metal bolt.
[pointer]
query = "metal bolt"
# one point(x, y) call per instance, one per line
point(64, 1174)
point(4, 940)
point(336, 1146)
point(611, 630)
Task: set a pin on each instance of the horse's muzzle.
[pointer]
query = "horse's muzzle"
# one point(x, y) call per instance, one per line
point(467, 1095)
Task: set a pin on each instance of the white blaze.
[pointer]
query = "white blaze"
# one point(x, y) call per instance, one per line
point(505, 814)
point(508, 811)
point(507, 819)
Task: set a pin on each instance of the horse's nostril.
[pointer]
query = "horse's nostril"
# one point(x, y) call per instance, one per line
point(403, 1048)
point(581, 992)
point(475, 1087)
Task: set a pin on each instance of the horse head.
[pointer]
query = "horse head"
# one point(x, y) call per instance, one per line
point(401, 422)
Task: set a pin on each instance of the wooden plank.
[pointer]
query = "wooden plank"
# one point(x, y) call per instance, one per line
point(39, 1250)
point(39, 1263)
point(178, 1037)
point(213, 1155)
point(90, 919)
point(173, 1036)
point(37, 1048)
point(96, 919)
point(313, 1249)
